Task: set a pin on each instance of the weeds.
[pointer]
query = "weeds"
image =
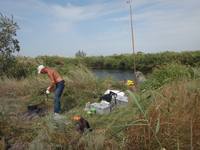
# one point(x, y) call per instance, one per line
point(173, 115)
point(164, 116)
point(168, 73)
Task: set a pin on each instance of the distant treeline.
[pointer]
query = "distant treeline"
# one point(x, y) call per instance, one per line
point(144, 62)
point(26, 66)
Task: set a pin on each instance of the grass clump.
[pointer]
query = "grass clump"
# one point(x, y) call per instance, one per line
point(168, 73)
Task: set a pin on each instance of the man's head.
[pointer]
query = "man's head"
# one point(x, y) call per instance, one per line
point(39, 68)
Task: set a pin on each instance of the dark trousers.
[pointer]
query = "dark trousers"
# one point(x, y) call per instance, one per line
point(58, 92)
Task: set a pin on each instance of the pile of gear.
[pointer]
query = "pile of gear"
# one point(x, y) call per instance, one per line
point(108, 101)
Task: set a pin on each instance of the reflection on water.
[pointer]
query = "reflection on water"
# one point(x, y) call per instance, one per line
point(115, 74)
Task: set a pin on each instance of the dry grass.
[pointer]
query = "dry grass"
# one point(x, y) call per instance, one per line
point(174, 116)
point(17, 88)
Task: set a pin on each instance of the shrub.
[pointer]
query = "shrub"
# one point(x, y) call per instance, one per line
point(8, 43)
point(166, 74)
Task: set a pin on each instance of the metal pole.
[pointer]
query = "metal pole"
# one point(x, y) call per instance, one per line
point(132, 36)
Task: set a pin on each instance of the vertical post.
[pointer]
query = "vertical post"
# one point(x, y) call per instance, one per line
point(132, 36)
point(191, 134)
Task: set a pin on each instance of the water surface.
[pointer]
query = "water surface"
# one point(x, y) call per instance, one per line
point(115, 74)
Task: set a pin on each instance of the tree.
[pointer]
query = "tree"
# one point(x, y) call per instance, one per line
point(8, 43)
point(80, 53)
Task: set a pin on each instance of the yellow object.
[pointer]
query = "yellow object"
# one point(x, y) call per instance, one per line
point(130, 83)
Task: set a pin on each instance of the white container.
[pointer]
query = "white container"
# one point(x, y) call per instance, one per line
point(101, 108)
point(116, 92)
point(122, 100)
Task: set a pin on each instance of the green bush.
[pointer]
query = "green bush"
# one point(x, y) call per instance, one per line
point(166, 74)
point(22, 70)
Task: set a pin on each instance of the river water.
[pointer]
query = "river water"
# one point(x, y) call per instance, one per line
point(115, 74)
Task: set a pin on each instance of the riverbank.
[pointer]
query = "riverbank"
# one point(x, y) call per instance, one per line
point(165, 112)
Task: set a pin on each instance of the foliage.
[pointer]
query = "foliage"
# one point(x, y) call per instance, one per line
point(144, 62)
point(173, 114)
point(165, 74)
point(8, 43)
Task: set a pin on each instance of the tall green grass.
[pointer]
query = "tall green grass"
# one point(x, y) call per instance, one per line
point(168, 73)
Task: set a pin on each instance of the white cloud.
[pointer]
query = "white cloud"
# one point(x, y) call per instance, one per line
point(75, 13)
point(165, 25)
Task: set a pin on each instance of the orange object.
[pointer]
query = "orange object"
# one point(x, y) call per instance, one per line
point(76, 118)
point(53, 75)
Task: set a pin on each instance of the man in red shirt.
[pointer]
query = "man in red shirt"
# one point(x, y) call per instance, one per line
point(56, 80)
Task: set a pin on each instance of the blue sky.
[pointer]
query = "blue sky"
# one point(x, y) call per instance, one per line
point(102, 27)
